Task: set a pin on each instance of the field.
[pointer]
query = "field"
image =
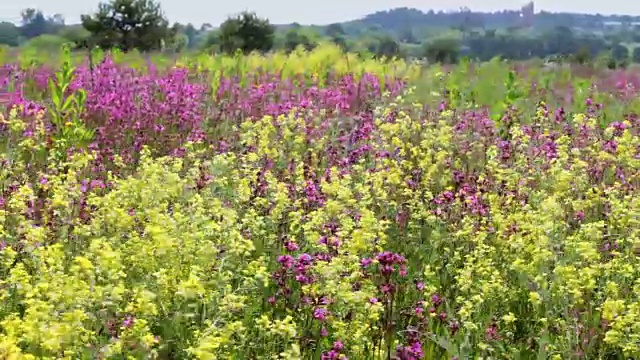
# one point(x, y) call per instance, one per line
point(317, 206)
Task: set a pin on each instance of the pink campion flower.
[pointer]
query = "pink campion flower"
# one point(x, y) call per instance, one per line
point(402, 217)
point(505, 149)
point(303, 279)
point(403, 270)
point(97, 184)
point(329, 355)
point(386, 269)
point(223, 146)
point(366, 262)
point(286, 261)
point(305, 259)
point(436, 300)
point(620, 175)
point(550, 148)
point(387, 288)
point(454, 326)
point(324, 332)
point(334, 353)
point(320, 314)
point(291, 246)
point(610, 146)
point(411, 352)
point(128, 321)
point(84, 185)
point(338, 345)
point(559, 115)
point(326, 257)
point(491, 332)
point(335, 242)
point(618, 127)
point(446, 197)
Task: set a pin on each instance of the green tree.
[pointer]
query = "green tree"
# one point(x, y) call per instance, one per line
point(620, 52)
point(246, 32)
point(636, 55)
point(212, 41)
point(295, 37)
point(341, 42)
point(192, 35)
point(387, 47)
point(582, 56)
point(408, 37)
point(9, 34)
point(178, 43)
point(443, 50)
point(335, 30)
point(129, 24)
point(34, 23)
point(75, 34)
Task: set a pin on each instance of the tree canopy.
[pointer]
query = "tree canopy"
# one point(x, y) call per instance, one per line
point(246, 32)
point(34, 23)
point(129, 24)
point(9, 34)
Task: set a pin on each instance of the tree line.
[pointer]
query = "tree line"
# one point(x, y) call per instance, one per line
point(142, 25)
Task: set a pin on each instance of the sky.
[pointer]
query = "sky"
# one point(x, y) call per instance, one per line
point(309, 12)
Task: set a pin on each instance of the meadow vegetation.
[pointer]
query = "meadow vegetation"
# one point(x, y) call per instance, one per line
point(317, 205)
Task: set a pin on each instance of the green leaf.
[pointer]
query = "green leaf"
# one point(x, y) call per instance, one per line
point(55, 95)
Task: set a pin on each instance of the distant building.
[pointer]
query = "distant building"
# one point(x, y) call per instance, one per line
point(526, 15)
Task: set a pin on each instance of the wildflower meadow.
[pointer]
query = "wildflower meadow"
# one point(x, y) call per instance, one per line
point(317, 205)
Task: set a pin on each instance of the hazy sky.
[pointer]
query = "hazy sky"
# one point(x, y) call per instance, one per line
point(310, 11)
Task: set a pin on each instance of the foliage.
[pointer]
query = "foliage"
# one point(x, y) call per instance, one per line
point(582, 56)
point(9, 34)
point(192, 35)
point(46, 43)
point(620, 52)
point(295, 38)
point(335, 30)
point(246, 32)
point(34, 23)
point(386, 47)
point(558, 35)
point(127, 25)
point(212, 40)
point(442, 50)
point(340, 42)
point(66, 111)
point(636, 54)
point(75, 34)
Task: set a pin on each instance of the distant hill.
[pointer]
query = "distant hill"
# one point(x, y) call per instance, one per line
point(403, 20)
